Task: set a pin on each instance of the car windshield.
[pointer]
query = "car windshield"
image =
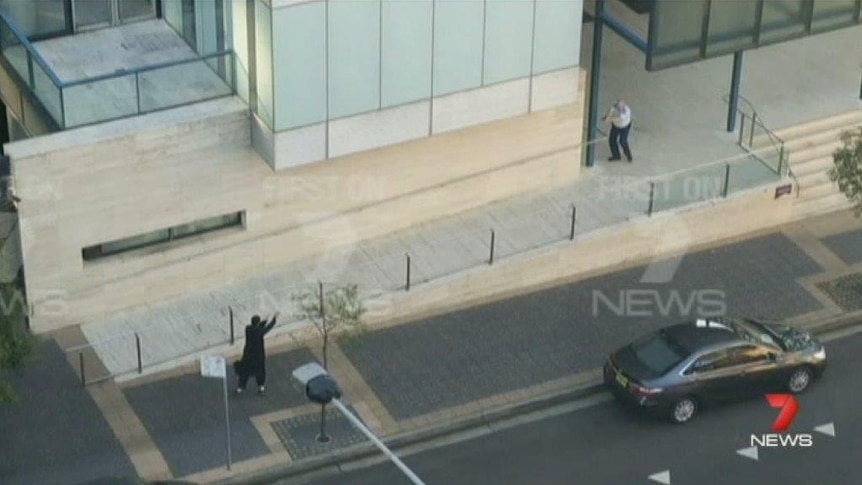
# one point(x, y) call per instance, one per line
point(659, 352)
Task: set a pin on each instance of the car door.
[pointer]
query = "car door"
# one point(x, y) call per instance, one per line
point(713, 377)
point(755, 368)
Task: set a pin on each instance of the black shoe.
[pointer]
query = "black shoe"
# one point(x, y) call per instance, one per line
point(612, 159)
point(630, 160)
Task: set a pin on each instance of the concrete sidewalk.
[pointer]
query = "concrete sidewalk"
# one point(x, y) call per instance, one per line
point(412, 375)
point(665, 140)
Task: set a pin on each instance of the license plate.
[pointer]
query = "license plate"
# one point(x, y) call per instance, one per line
point(622, 380)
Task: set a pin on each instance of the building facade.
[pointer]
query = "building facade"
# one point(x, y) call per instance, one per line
point(197, 142)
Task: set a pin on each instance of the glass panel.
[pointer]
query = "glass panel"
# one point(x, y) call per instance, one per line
point(300, 65)
point(92, 12)
point(37, 18)
point(14, 52)
point(136, 9)
point(263, 62)
point(508, 40)
point(172, 11)
point(782, 19)
point(47, 92)
point(678, 32)
point(354, 57)
point(731, 26)
point(135, 242)
point(457, 45)
point(696, 185)
point(189, 29)
point(829, 14)
point(100, 100)
point(206, 225)
point(185, 83)
point(558, 35)
point(406, 51)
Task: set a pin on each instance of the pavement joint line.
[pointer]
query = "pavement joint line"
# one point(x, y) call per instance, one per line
point(340, 460)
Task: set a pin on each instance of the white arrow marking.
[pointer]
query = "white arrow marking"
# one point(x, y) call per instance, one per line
point(827, 429)
point(748, 452)
point(661, 477)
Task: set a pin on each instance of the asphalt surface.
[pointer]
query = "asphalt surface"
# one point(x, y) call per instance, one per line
point(605, 444)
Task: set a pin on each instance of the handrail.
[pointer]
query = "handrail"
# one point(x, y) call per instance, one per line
point(151, 67)
point(19, 34)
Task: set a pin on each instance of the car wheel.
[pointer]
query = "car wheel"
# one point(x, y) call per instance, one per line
point(799, 380)
point(683, 410)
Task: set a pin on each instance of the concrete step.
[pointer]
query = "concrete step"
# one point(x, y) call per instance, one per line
point(811, 166)
point(804, 208)
point(814, 154)
point(813, 179)
point(829, 137)
point(816, 191)
point(842, 121)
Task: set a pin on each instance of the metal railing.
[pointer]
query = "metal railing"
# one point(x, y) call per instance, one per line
point(779, 157)
point(120, 94)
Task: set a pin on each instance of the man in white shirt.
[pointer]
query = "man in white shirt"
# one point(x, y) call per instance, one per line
point(620, 116)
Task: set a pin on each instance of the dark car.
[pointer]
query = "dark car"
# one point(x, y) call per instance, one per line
point(676, 370)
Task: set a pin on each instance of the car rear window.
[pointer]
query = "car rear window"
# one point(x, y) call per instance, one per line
point(659, 352)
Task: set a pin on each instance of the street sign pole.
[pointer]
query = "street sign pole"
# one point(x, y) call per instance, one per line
point(227, 420)
point(216, 366)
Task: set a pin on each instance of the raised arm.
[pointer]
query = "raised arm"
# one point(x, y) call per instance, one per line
point(271, 323)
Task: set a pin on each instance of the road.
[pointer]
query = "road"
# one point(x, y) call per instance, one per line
point(604, 444)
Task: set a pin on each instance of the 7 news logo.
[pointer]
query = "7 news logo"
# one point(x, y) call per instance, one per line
point(789, 407)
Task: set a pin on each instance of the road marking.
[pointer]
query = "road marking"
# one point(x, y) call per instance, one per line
point(827, 429)
point(748, 452)
point(661, 477)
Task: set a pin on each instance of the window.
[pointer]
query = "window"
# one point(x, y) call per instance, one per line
point(659, 352)
point(161, 236)
point(747, 354)
point(709, 362)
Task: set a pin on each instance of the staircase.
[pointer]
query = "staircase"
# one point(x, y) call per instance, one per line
point(810, 146)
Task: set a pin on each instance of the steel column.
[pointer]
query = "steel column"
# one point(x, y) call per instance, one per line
point(595, 76)
point(733, 102)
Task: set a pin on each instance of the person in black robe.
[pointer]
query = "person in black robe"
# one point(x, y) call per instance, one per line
point(253, 361)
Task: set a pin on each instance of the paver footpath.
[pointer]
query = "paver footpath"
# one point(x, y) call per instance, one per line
point(412, 375)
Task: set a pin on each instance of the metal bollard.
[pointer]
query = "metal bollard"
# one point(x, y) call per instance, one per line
point(138, 345)
point(651, 197)
point(574, 216)
point(230, 311)
point(491, 257)
point(407, 286)
point(726, 179)
point(81, 364)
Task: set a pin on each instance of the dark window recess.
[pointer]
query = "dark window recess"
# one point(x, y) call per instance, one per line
point(161, 236)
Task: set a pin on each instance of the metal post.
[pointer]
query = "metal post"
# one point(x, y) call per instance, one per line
point(407, 286)
point(651, 197)
point(574, 216)
point(491, 258)
point(376, 441)
point(726, 179)
point(81, 364)
point(741, 127)
point(138, 91)
point(780, 159)
point(733, 103)
point(751, 132)
point(232, 339)
point(322, 437)
point(227, 421)
point(860, 88)
point(595, 77)
point(138, 345)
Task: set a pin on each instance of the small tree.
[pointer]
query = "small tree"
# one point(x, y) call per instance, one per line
point(847, 168)
point(330, 309)
point(17, 345)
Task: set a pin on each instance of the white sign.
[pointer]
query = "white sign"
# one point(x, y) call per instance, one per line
point(213, 366)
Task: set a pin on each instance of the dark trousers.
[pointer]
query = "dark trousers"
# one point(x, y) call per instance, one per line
point(259, 376)
point(620, 137)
